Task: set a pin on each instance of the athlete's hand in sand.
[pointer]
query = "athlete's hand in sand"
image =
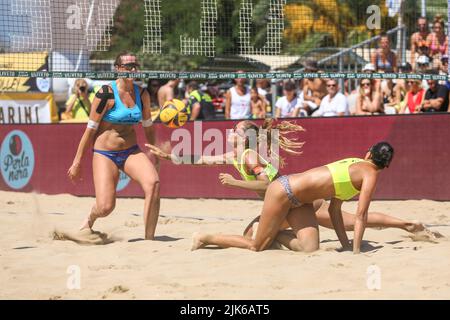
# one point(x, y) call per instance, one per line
point(74, 172)
point(226, 179)
point(158, 152)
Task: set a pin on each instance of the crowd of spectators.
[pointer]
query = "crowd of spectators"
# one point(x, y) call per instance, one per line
point(316, 97)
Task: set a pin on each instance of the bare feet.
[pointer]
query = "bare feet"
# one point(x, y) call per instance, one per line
point(415, 226)
point(196, 241)
point(85, 237)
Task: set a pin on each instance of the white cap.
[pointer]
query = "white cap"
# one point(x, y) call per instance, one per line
point(369, 67)
point(423, 60)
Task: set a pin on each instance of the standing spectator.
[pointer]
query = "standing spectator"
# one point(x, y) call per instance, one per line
point(334, 104)
point(436, 98)
point(419, 40)
point(79, 104)
point(414, 98)
point(237, 103)
point(314, 89)
point(167, 91)
point(200, 105)
point(384, 58)
point(258, 104)
point(437, 41)
point(285, 107)
point(369, 100)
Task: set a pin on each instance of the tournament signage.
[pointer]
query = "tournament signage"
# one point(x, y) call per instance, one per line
point(27, 108)
point(16, 62)
point(16, 159)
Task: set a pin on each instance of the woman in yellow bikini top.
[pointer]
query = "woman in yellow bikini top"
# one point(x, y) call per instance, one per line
point(343, 185)
point(290, 198)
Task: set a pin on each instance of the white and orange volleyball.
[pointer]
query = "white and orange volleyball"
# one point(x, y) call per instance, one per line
point(173, 113)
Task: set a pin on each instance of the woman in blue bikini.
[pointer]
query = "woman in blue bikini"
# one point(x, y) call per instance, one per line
point(114, 112)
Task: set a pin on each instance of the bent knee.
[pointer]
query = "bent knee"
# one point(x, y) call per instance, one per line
point(151, 186)
point(310, 246)
point(104, 209)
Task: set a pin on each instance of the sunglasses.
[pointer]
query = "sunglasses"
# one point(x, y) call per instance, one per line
point(366, 84)
point(331, 85)
point(130, 66)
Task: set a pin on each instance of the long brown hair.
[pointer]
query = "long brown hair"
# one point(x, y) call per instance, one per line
point(291, 145)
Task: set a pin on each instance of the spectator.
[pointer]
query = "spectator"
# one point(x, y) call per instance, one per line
point(437, 41)
point(419, 41)
point(200, 105)
point(79, 104)
point(314, 89)
point(369, 100)
point(286, 106)
point(167, 91)
point(423, 66)
point(353, 96)
point(443, 66)
point(436, 98)
point(334, 104)
point(384, 58)
point(414, 98)
point(258, 104)
point(237, 103)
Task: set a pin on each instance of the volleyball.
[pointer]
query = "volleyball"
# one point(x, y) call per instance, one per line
point(173, 113)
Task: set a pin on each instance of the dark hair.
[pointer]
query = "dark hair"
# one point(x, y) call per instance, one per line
point(289, 86)
point(193, 85)
point(382, 154)
point(118, 61)
point(384, 35)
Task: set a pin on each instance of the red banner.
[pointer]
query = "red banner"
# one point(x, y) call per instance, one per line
point(418, 170)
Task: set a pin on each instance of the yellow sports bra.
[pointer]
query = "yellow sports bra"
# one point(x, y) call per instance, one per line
point(341, 178)
point(269, 169)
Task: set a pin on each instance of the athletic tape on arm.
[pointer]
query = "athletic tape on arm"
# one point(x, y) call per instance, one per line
point(104, 97)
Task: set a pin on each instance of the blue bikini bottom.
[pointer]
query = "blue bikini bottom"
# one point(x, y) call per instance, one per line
point(118, 157)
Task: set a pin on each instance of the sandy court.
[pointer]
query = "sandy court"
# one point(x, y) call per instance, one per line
point(34, 266)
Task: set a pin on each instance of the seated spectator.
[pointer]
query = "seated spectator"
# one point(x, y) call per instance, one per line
point(419, 40)
point(369, 100)
point(333, 104)
point(384, 59)
point(436, 98)
point(286, 106)
point(79, 104)
point(258, 104)
point(314, 89)
point(200, 105)
point(423, 67)
point(437, 41)
point(414, 98)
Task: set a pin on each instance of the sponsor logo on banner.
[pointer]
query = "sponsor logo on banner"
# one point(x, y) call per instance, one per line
point(26, 108)
point(16, 159)
point(124, 180)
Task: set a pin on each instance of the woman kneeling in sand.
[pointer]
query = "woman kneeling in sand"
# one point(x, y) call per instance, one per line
point(291, 198)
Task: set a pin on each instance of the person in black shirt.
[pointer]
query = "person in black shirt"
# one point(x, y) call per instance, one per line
point(436, 98)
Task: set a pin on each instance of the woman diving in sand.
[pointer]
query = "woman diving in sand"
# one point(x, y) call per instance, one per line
point(291, 198)
point(257, 173)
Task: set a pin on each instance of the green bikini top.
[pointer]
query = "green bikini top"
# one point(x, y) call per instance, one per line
point(343, 185)
point(269, 169)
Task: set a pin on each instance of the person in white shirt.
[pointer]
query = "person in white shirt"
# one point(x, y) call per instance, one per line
point(287, 105)
point(237, 102)
point(333, 104)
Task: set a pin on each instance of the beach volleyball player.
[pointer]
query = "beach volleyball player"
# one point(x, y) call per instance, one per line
point(291, 198)
point(115, 110)
point(257, 173)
